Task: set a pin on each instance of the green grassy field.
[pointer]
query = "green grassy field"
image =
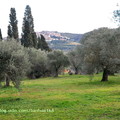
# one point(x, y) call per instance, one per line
point(64, 98)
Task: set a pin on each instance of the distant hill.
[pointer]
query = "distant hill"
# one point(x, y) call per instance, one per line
point(62, 41)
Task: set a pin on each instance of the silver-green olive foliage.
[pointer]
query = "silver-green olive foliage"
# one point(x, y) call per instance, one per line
point(56, 61)
point(38, 60)
point(13, 62)
point(76, 59)
point(102, 50)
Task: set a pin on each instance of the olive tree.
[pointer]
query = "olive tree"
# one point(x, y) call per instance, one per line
point(76, 59)
point(38, 60)
point(13, 62)
point(57, 60)
point(101, 51)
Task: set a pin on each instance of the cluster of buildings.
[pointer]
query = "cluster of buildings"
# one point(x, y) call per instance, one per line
point(52, 35)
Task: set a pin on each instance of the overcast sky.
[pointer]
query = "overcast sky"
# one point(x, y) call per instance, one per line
point(76, 16)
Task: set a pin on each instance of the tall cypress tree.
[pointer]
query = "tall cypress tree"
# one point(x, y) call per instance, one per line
point(10, 35)
point(1, 35)
point(26, 39)
point(13, 23)
point(42, 44)
point(29, 38)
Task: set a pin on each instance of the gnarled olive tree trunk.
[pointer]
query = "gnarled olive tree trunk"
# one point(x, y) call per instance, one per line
point(76, 70)
point(105, 75)
point(7, 81)
point(56, 72)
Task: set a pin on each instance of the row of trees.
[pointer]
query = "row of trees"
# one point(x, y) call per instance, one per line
point(98, 52)
point(17, 62)
point(28, 37)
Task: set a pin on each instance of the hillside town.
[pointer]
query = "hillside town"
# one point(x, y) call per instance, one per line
point(52, 35)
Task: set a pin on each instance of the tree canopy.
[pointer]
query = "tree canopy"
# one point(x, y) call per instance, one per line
point(101, 51)
point(13, 62)
point(12, 27)
point(42, 44)
point(56, 61)
point(29, 38)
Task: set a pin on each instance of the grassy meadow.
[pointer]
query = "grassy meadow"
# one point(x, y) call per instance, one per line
point(74, 97)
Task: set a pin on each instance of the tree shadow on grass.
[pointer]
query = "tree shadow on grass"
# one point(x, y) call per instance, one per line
point(9, 100)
